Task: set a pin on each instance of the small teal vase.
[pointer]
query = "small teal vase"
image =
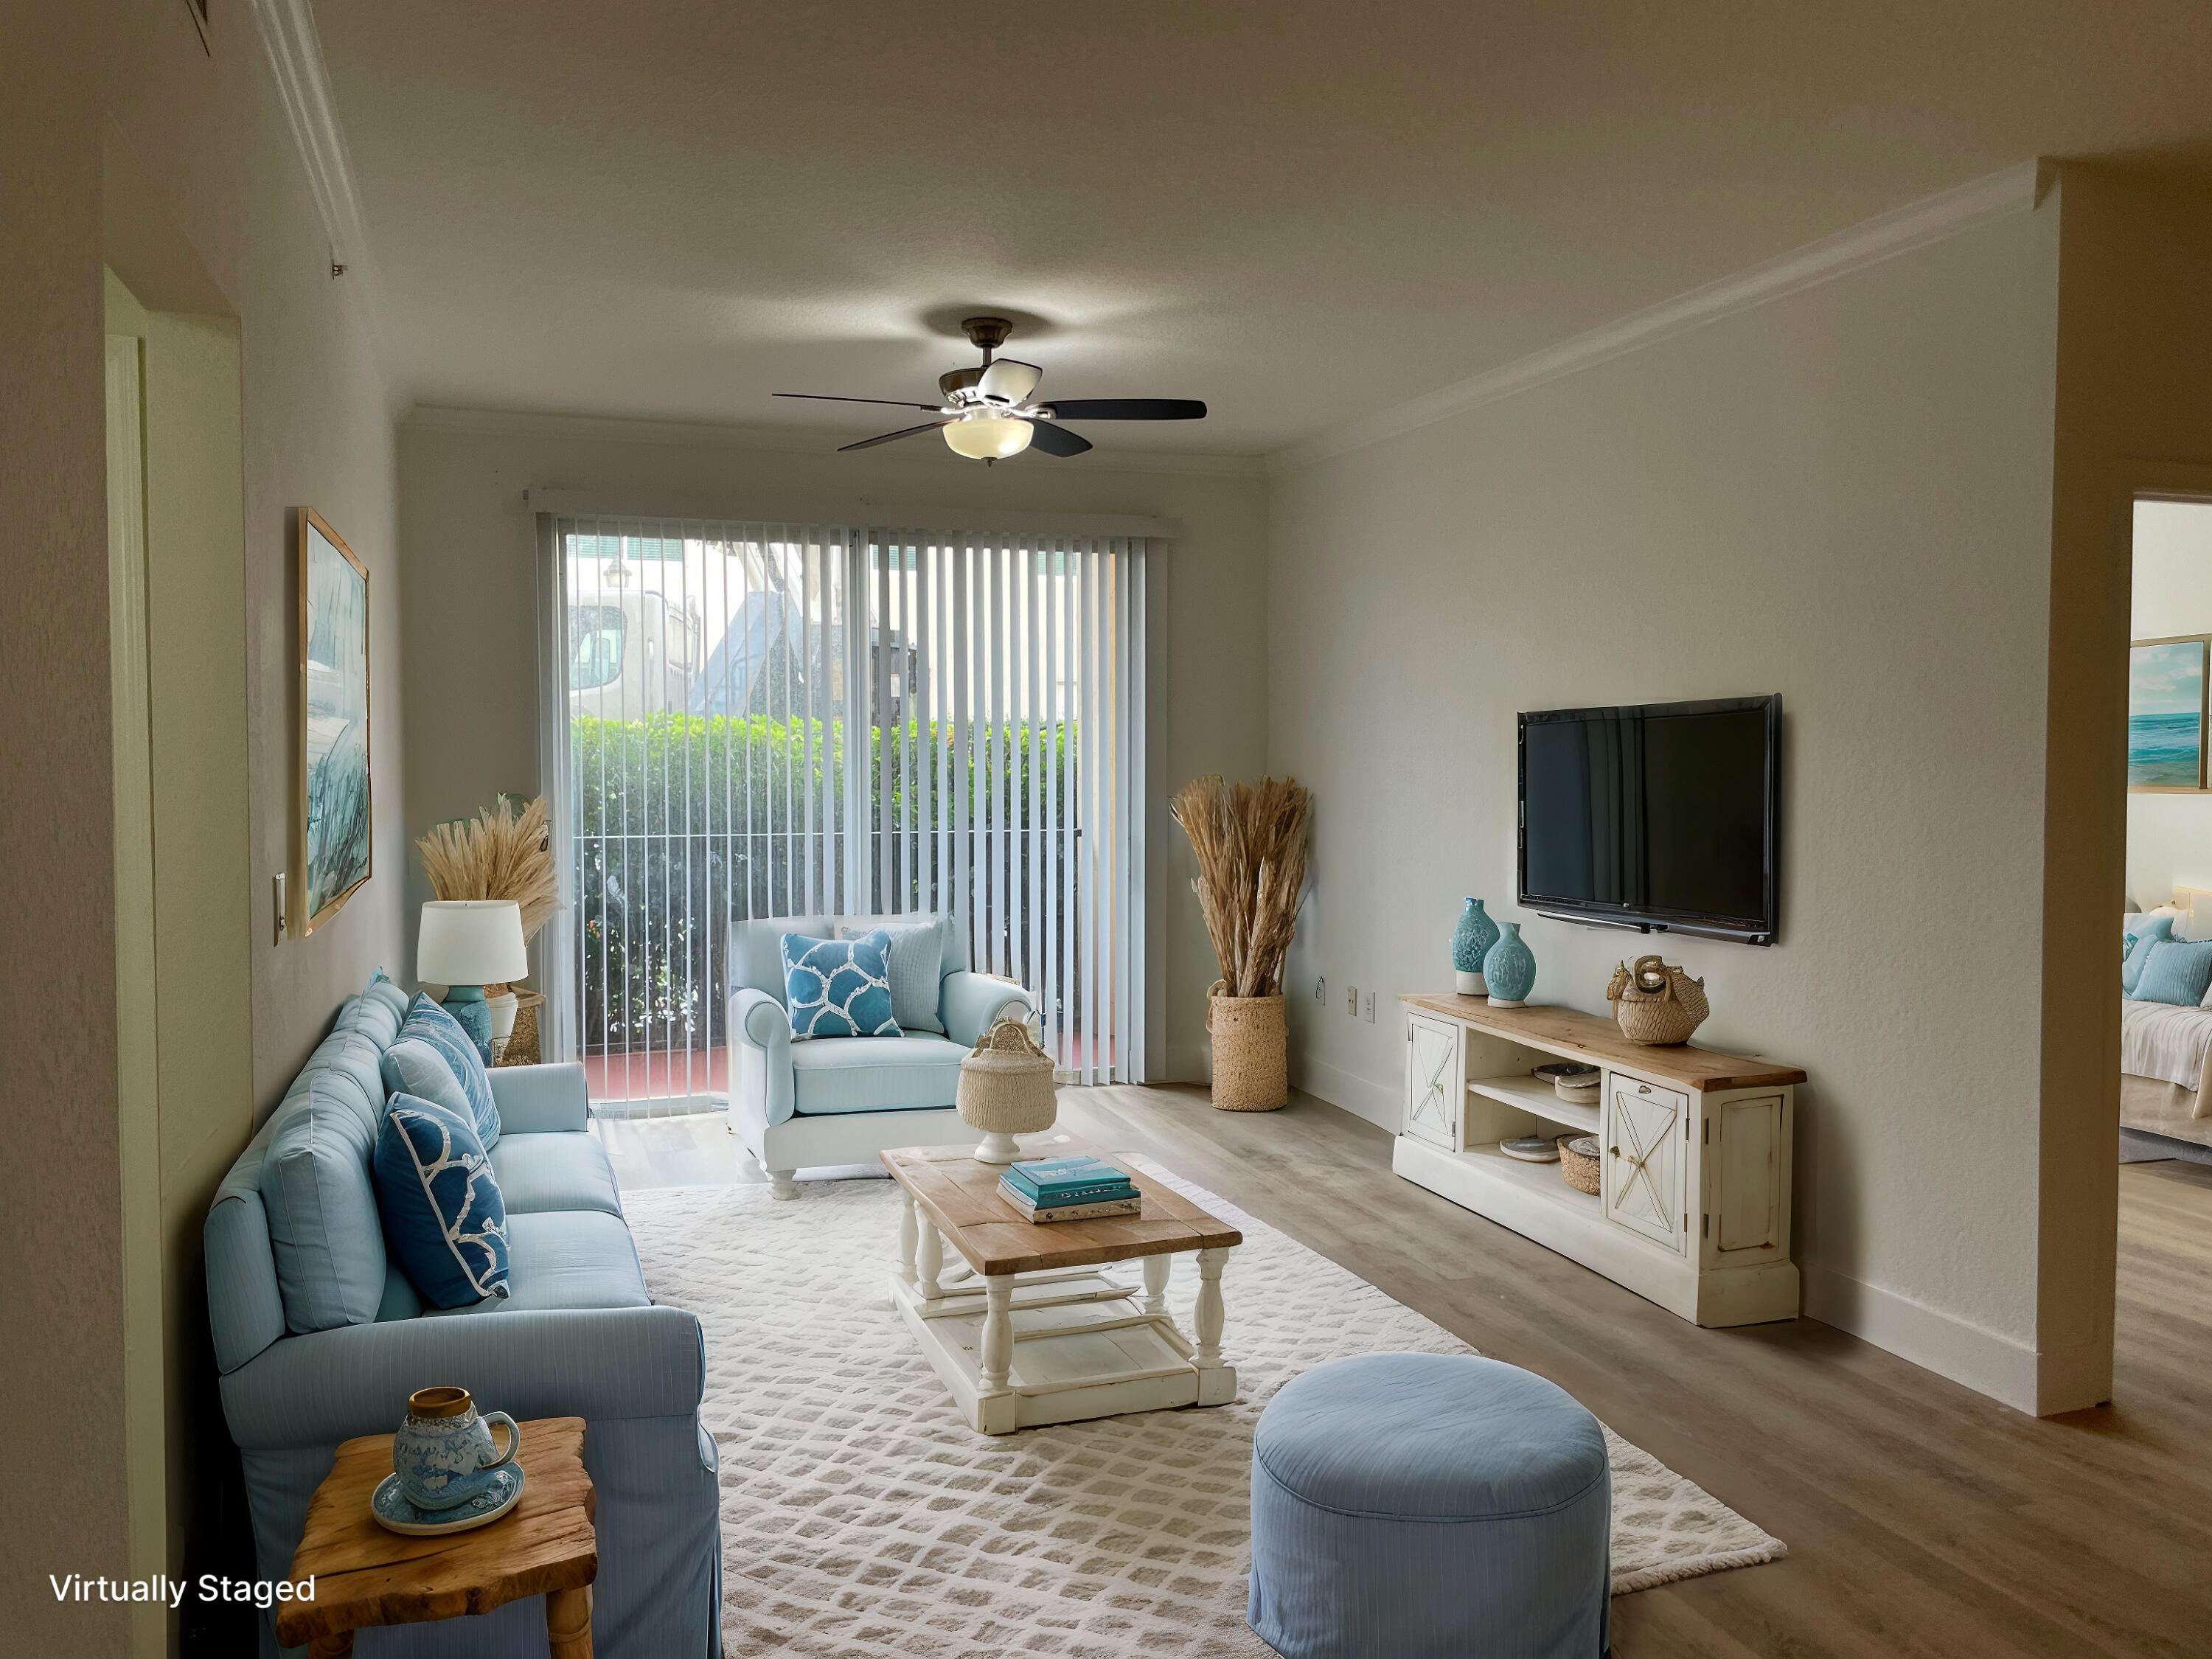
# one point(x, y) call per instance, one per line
point(1509, 969)
point(1470, 942)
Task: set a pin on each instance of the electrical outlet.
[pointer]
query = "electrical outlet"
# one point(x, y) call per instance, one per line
point(1320, 989)
point(1352, 1000)
point(1371, 1008)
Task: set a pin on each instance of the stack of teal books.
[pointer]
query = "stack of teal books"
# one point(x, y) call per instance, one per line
point(1069, 1189)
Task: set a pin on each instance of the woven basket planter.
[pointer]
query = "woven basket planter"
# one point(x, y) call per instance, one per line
point(1251, 1051)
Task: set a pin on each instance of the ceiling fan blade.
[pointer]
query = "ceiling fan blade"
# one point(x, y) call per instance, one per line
point(832, 398)
point(1056, 440)
point(1005, 381)
point(891, 437)
point(1128, 409)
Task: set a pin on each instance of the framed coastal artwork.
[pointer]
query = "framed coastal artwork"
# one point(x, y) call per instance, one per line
point(331, 846)
point(2165, 714)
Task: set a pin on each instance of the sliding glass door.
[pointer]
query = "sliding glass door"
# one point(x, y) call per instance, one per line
point(750, 720)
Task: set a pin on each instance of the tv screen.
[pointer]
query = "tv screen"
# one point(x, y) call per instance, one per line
point(1663, 815)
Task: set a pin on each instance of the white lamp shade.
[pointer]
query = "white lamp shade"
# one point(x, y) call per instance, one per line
point(471, 942)
point(988, 437)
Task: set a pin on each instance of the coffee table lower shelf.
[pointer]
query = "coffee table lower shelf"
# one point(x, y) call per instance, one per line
point(1084, 1345)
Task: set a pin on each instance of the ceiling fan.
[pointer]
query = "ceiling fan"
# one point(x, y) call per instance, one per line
point(988, 414)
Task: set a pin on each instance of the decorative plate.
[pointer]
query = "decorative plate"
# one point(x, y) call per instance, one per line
point(1584, 1146)
point(1533, 1149)
point(392, 1510)
point(1567, 1071)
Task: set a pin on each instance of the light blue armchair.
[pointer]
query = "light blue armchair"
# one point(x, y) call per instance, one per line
point(842, 1100)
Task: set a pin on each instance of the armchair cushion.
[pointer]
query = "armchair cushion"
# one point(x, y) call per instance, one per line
point(917, 953)
point(911, 1073)
point(839, 987)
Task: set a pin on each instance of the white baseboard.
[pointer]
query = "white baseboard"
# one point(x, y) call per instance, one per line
point(1379, 1103)
point(1979, 1358)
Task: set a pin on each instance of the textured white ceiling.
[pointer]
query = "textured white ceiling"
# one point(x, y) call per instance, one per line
point(1302, 212)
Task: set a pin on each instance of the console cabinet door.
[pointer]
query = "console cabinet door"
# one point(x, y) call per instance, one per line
point(1433, 1087)
point(1644, 1158)
point(1747, 1174)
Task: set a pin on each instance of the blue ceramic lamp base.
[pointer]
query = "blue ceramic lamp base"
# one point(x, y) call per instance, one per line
point(466, 1004)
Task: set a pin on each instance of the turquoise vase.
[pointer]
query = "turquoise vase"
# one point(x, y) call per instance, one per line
point(1470, 942)
point(1509, 969)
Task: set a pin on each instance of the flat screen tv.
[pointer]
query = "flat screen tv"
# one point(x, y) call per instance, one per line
point(1665, 816)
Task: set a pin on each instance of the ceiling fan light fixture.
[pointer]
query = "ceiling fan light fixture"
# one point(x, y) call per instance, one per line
point(982, 437)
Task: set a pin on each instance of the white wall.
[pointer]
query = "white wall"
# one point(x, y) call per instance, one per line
point(1844, 496)
point(468, 555)
point(2170, 836)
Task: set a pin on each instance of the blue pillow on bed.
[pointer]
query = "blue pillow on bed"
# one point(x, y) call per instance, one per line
point(2176, 973)
point(2157, 930)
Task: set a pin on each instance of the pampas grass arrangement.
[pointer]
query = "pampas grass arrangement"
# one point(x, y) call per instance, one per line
point(496, 855)
point(1250, 839)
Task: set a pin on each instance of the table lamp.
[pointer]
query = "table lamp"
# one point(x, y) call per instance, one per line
point(466, 945)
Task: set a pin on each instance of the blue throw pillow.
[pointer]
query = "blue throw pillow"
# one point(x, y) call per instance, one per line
point(2156, 931)
point(838, 987)
point(2176, 973)
point(443, 1215)
point(414, 1066)
point(430, 1023)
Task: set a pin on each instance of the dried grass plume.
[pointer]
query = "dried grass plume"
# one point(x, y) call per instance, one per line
point(496, 855)
point(1250, 839)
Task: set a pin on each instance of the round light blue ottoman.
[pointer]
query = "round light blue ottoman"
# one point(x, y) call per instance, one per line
point(1429, 1506)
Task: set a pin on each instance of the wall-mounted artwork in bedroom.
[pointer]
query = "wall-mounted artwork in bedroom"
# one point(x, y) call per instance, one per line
point(2167, 715)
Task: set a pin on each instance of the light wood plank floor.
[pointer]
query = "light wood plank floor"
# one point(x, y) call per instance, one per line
point(1921, 1519)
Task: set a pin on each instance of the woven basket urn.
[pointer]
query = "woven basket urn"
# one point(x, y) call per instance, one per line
point(1251, 1051)
point(1656, 1004)
point(1006, 1090)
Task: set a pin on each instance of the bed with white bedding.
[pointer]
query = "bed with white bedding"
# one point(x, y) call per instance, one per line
point(2166, 1049)
point(2164, 1052)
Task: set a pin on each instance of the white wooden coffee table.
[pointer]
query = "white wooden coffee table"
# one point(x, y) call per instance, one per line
point(1039, 1334)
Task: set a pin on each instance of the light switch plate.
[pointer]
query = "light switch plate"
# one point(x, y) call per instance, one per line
point(1352, 1000)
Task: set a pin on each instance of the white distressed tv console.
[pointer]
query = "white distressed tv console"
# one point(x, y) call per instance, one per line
point(1693, 1210)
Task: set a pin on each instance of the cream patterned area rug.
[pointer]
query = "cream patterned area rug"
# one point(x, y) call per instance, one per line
point(861, 1516)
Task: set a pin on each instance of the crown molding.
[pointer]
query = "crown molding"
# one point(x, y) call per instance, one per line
point(2015, 189)
point(594, 504)
point(777, 439)
point(295, 59)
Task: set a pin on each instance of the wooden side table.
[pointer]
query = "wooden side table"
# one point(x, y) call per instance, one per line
point(364, 1575)
point(1039, 1334)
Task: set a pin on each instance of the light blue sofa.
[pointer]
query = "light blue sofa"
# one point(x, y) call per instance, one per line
point(842, 1100)
point(577, 1337)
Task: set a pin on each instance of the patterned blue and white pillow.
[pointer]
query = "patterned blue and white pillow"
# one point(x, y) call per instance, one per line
point(443, 1215)
point(838, 987)
point(428, 1023)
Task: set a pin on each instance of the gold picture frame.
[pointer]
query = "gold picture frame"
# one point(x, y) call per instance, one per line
point(333, 830)
point(2169, 714)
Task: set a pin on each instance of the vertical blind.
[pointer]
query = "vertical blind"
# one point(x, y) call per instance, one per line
point(754, 720)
